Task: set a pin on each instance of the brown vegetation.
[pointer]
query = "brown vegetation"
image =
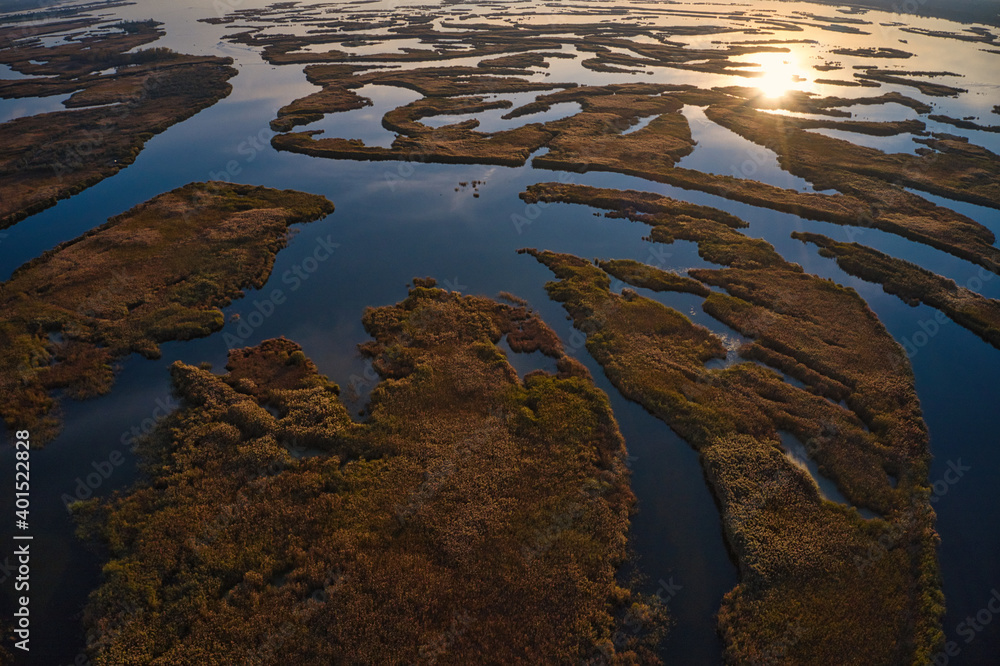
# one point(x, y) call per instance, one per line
point(448, 90)
point(803, 102)
point(964, 124)
point(523, 60)
point(875, 180)
point(804, 322)
point(874, 52)
point(157, 272)
point(54, 155)
point(76, 58)
point(847, 84)
point(914, 284)
point(640, 275)
point(870, 186)
point(926, 87)
point(807, 565)
point(473, 516)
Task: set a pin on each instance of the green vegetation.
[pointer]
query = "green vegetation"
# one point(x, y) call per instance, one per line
point(472, 514)
point(914, 284)
point(847, 590)
point(157, 272)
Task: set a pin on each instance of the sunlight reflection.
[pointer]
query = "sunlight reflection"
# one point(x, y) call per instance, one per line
point(781, 73)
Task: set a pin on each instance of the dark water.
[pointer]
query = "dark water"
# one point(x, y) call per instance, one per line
point(395, 221)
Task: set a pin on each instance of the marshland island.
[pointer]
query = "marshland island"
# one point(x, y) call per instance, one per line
point(119, 95)
point(675, 382)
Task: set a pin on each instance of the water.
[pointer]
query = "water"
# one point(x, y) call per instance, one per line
point(721, 151)
point(899, 143)
point(31, 106)
point(797, 453)
point(397, 220)
point(365, 123)
point(493, 121)
point(8, 73)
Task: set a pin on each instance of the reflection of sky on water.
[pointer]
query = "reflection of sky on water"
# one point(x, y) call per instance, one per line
point(899, 143)
point(365, 123)
point(30, 106)
point(395, 220)
point(8, 73)
point(493, 121)
point(721, 151)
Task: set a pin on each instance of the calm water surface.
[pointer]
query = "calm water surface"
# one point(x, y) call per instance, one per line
point(395, 221)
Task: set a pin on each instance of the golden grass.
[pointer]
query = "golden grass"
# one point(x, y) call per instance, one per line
point(638, 274)
point(806, 564)
point(157, 272)
point(52, 156)
point(472, 516)
point(914, 284)
point(957, 170)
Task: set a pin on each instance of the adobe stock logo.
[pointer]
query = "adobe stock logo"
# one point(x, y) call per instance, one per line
point(293, 278)
point(969, 628)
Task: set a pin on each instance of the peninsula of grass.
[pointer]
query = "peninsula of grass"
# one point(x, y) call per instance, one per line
point(52, 156)
point(926, 87)
point(869, 184)
point(809, 568)
point(803, 102)
point(523, 60)
point(471, 514)
point(914, 284)
point(639, 274)
point(847, 84)
point(448, 90)
point(872, 128)
point(964, 124)
point(874, 52)
point(338, 83)
point(954, 168)
point(157, 272)
point(810, 328)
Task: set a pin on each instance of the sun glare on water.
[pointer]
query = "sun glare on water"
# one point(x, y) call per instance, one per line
point(780, 73)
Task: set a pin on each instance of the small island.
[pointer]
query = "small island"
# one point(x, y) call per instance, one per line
point(122, 95)
point(157, 272)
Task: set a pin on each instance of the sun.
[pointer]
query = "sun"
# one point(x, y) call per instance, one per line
point(780, 72)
